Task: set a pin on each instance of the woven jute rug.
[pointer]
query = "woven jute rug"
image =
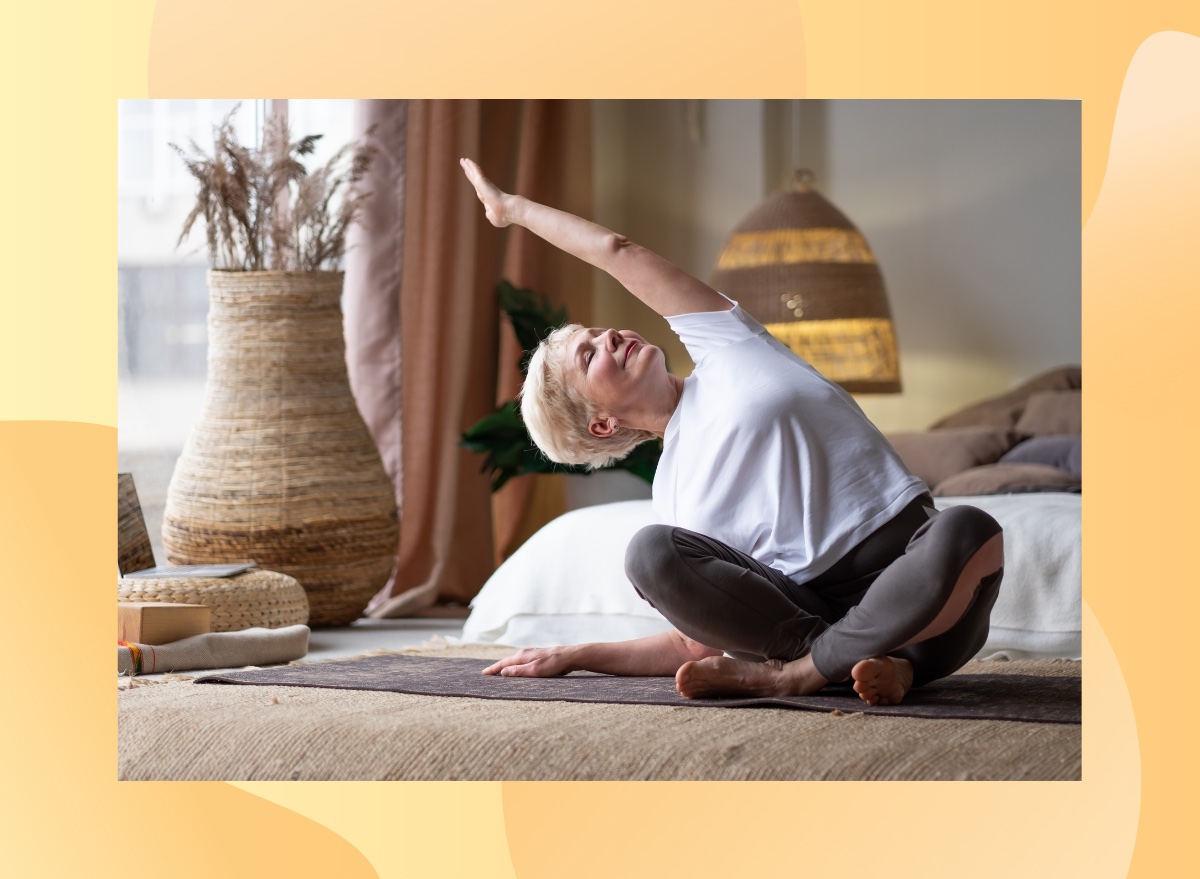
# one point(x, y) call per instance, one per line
point(179, 730)
point(1034, 698)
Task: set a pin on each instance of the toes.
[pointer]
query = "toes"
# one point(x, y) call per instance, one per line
point(868, 694)
point(684, 683)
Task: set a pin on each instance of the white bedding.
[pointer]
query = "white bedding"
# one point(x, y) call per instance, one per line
point(566, 584)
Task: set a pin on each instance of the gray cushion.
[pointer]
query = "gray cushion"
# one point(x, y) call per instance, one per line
point(1063, 452)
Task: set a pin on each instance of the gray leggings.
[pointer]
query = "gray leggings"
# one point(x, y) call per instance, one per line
point(880, 595)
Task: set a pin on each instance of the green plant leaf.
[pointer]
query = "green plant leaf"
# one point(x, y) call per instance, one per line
point(508, 451)
point(532, 314)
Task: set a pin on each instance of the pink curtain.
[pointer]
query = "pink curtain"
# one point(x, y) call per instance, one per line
point(427, 352)
point(553, 165)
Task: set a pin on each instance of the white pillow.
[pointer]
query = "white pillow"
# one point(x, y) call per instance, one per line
point(574, 566)
point(1038, 614)
point(567, 583)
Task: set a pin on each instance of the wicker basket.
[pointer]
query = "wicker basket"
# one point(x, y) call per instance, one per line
point(281, 469)
point(256, 598)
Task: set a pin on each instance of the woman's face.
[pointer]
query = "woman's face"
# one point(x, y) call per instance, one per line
point(616, 370)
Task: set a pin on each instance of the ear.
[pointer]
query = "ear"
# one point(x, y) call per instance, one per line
point(603, 427)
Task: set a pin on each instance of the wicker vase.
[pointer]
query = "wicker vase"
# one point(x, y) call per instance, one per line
point(281, 468)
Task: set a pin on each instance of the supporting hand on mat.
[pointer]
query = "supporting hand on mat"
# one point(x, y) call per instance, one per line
point(660, 654)
point(534, 662)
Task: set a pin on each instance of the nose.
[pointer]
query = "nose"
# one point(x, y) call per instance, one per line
point(612, 340)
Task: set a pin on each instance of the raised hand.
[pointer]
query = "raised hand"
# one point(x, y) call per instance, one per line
point(495, 202)
point(533, 662)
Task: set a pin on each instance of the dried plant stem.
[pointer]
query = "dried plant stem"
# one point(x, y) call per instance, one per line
point(263, 210)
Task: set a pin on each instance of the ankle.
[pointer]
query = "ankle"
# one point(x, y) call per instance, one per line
point(804, 673)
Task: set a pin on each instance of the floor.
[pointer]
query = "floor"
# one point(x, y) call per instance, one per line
point(364, 635)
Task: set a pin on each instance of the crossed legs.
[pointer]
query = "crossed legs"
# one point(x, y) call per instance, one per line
point(918, 617)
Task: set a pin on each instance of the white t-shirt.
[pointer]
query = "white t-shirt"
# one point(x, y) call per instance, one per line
point(768, 456)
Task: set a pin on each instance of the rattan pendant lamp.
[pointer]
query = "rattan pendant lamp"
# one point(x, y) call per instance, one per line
point(801, 267)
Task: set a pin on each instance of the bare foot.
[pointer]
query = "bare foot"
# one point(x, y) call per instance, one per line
point(725, 676)
point(882, 680)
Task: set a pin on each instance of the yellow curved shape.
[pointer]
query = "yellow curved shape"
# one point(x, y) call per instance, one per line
point(63, 812)
point(413, 828)
point(1140, 277)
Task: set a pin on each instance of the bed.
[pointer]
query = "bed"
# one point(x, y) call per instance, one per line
point(566, 584)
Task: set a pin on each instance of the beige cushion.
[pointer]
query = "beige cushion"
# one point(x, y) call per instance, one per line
point(1007, 479)
point(939, 454)
point(1004, 410)
point(1052, 413)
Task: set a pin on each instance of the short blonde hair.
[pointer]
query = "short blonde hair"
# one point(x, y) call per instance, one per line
point(557, 416)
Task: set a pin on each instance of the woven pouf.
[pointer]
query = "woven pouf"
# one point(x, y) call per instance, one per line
point(280, 468)
point(257, 598)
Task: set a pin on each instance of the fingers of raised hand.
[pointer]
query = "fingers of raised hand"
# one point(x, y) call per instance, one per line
point(487, 192)
point(475, 176)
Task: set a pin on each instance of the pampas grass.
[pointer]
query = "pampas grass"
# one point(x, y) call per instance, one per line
point(263, 209)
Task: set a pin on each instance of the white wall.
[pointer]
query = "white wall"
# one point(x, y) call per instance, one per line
point(674, 176)
point(972, 209)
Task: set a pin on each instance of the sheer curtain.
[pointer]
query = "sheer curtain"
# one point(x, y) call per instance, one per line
point(427, 350)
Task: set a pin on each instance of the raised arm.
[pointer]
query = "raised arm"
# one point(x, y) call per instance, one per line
point(660, 654)
point(660, 284)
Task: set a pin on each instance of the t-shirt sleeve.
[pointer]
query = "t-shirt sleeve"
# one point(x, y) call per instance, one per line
point(703, 332)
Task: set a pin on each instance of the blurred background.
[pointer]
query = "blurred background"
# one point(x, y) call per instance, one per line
point(972, 209)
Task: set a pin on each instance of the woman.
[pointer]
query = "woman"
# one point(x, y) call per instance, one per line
point(797, 551)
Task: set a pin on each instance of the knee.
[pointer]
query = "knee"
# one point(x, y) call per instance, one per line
point(971, 526)
point(649, 559)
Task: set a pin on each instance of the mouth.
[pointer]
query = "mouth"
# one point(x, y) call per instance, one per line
point(628, 351)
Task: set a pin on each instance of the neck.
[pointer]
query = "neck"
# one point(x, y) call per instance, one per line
point(665, 405)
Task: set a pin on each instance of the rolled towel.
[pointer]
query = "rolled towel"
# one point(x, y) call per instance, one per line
point(255, 646)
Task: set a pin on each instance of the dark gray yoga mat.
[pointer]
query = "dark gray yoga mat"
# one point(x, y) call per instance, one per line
point(1035, 698)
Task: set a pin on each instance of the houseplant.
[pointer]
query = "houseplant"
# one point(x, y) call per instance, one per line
point(501, 436)
point(281, 468)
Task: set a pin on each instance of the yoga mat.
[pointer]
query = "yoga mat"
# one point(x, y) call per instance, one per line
point(968, 696)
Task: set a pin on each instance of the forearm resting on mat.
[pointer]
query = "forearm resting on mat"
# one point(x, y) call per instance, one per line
point(660, 654)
